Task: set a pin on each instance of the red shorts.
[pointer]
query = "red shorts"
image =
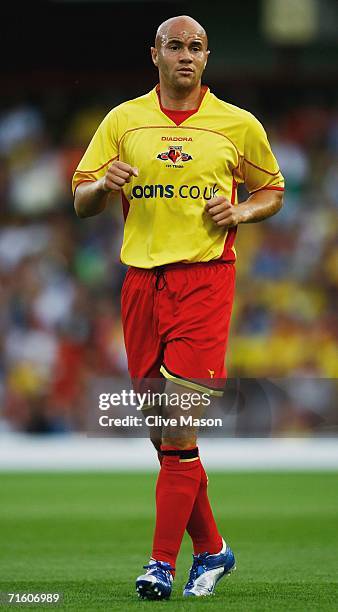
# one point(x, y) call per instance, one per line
point(176, 323)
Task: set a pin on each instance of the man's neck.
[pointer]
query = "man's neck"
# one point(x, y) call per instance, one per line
point(180, 99)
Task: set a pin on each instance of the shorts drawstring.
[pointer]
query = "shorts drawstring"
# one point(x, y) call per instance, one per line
point(159, 272)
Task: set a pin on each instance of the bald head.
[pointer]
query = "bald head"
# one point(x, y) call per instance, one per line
point(182, 25)
point(180, 54)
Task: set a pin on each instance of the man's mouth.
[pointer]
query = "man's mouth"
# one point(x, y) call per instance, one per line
point(186, 70)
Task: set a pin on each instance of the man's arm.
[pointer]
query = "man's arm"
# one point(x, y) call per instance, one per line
point(91, 197)
point(258, 206)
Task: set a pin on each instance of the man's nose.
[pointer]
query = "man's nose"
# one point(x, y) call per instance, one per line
point(185, 55)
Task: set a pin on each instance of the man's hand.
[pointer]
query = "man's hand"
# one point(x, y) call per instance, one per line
point(91, 197)
point(223, 213)
point(260, 205)
point(117, 175)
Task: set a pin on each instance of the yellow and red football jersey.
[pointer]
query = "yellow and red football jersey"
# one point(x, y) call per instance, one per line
point(180, 168)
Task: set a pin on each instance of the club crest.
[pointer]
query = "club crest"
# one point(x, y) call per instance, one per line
point(175, 155)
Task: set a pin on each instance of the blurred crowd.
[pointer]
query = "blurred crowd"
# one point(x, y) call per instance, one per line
point(60, 277)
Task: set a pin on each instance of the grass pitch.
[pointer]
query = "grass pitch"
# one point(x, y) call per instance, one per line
point(88, 535)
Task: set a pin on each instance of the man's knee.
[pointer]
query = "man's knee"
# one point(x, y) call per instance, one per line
point(180, 442)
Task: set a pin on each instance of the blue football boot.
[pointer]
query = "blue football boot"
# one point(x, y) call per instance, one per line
point(157, 582)
point(207, 570)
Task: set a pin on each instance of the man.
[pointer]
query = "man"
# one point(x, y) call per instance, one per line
point(177, 155)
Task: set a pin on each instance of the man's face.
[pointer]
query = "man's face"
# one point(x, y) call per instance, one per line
point(181, 55)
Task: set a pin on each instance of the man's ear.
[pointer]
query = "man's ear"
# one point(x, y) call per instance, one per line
point(206, 61)
point(154, 55)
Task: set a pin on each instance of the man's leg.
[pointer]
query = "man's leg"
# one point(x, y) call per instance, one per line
point(182, 503)
point(202, 526)
point(195, 354)
point(179, 484)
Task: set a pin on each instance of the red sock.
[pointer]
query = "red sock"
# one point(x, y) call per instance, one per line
point(177, 486)
point(201, 526)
